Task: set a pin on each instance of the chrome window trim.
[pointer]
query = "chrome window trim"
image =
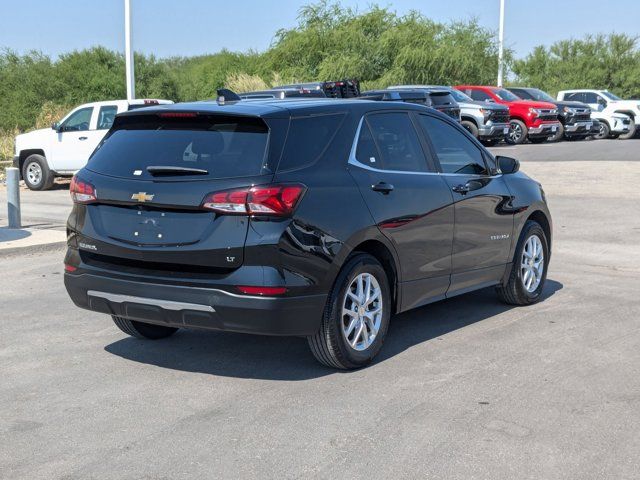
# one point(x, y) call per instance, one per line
point(354, 162)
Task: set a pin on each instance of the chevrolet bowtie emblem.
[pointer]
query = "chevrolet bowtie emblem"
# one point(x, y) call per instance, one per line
point(142, 197)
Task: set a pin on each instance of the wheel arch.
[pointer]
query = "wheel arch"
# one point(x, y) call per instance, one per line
point(24, 154)
point(469, 118)
point(627, 112)
point(541, 218)
point(387, 259)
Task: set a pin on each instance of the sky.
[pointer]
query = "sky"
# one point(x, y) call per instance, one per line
point(193, 27)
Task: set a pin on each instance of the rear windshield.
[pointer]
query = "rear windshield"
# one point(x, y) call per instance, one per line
point(444, 98)
point(209, 146)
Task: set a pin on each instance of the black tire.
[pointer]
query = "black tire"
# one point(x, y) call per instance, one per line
point(537, 140)
point(559, 135)
point(36, 173)
point(143, 330)
point(517, 132)
point(513, 291)
point(489, 142)
point(604, 132)
point(471, 127)
point(631, 133)
point(329, 345)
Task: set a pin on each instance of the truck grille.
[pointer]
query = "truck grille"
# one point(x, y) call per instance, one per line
point(500, 116)
point(451, 112)
point(546, 114)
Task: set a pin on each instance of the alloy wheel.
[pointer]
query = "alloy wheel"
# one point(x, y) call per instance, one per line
point(34, 173)
point(515, 132)
point(362, 311)
point(532, 264)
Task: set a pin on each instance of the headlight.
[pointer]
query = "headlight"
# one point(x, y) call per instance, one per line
point(486, 112)
point(534, 111)
point(568, 110)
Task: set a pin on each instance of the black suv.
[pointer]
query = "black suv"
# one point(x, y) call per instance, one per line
point(575, 117)
point(439, 99)
point(315, 218)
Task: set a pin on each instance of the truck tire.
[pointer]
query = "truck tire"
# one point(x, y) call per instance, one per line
point(349, 341)
point(143, 330)
point(471, 127)
point(36, 173)
point(517, 132)
point(604, 132)
point(559, 135)
point(532, 245)
point(631, 133)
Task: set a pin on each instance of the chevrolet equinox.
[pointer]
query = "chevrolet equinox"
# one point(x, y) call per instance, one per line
point(315, 218)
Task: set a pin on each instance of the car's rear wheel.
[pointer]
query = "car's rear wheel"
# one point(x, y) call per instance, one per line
point(603, 131)
point(36, 173)
point(631, 133)
point(529, 271)
point(356, 317)
point(143, 330)
point(517, 132)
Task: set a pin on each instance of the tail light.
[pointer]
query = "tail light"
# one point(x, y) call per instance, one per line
point(271, 200)
point(82, 191)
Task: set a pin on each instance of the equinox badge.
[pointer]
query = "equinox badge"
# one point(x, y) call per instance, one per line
point(142, 197)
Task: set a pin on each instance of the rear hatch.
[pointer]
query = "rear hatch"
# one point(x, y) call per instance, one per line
point(151, 176)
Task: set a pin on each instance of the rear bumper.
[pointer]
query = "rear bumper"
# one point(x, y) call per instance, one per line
point(494, 130)
point(196, 307)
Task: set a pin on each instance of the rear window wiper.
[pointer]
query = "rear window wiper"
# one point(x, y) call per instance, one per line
point(171, 171)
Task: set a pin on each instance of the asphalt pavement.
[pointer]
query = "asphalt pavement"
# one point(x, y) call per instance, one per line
point(467, 388)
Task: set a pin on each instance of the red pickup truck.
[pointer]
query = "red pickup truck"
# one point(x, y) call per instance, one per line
point(530, 119)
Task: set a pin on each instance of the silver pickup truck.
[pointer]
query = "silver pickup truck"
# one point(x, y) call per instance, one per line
point(488, 122)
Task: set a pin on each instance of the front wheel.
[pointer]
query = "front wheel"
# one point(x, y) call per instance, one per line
point(631, 133)
point(36, 173)
point(356, 317)
point(603, 131)
point(143, 330)
point(556, 137)
point(529, 270)
point(470, 127)
point(517, 132)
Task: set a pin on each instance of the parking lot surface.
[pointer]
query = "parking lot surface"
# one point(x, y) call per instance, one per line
point(467, 388)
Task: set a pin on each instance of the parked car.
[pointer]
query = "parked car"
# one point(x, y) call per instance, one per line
point(282, 93)
point(533, 120)
point(606, 102)
point(347, 88)
point(59, 151)
point(315, 218)
point(489, 123)
point(575, 117)
point(438, 99)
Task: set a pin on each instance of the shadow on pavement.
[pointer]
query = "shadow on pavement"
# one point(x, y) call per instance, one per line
point(12, 234)
point(289, 358)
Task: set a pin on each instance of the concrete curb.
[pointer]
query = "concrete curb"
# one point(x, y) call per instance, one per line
point(32, 249)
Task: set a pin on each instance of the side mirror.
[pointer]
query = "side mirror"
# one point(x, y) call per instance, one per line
point(508, 165)
point(56, 126)
point(489, 100)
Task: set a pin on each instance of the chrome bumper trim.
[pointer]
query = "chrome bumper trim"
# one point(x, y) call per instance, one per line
point(165, 304)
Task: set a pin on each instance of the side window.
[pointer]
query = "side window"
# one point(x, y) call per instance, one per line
point(366, 151)
point(480, 95)
point(307, 139)
point(397, 141)
point(590, 97)
point(577, 96)
point(78, 121)
point(457, 154)
point(106, 116)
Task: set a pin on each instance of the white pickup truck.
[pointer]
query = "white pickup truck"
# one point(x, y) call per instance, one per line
point(607, 108)
point(63, 149)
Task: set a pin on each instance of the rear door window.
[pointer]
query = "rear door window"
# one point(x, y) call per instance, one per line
point(307, 140)
point(397, 141)
point(455, 151)
point(220, 146)
point(106, 116)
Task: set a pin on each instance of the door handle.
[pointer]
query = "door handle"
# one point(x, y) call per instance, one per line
point(82, 138)
point(461, 189)
point(382, 187)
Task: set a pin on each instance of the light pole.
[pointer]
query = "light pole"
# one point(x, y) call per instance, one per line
point(128, 52)
point(501, 45)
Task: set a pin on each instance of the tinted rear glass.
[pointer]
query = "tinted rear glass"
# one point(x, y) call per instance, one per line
point(307, 139)
point(224, 146)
